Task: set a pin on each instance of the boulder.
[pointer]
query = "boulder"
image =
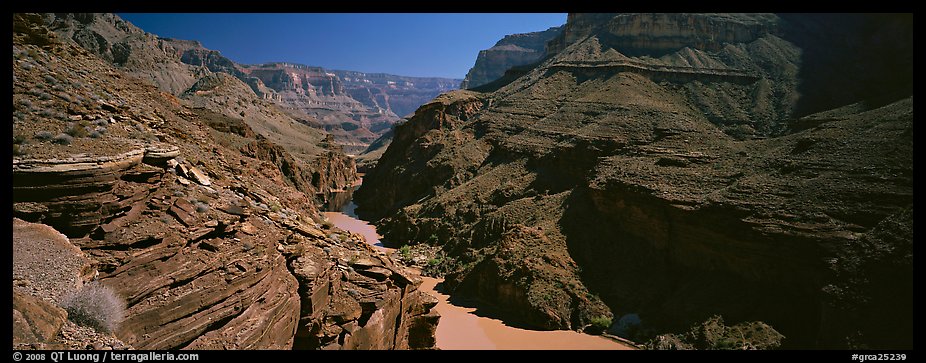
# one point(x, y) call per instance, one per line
point(35, 320)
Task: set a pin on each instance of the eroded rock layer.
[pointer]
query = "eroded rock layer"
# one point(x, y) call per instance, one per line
point(205, 228)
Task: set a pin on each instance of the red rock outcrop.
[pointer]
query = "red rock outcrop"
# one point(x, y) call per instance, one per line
point(202, 240)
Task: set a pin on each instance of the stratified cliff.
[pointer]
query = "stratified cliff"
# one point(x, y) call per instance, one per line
point(391, 94)
point(512, 50)
point(678, 167)
point(205, 228)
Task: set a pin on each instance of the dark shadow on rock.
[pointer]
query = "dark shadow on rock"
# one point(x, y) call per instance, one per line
point(851, 57)
point(632, 276)
point(485, 309)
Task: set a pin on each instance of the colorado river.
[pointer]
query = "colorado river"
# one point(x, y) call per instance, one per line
point(460, 327)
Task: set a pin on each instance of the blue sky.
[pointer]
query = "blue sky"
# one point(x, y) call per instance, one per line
point(439, 45)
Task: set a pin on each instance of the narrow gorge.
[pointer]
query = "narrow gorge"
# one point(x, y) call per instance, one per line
point(620, 181)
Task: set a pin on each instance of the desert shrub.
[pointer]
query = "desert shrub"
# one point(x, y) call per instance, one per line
point(45, 112)
point(43, 135)
point(600, 323)
point(44, 96)
point(95, 134)
point(58, 87)
point(50, 79)
point(24, 104)
point(17, 150)
point(94, 305)
point(18, 139)
point(405, 252)
point(63, 139)
point(77, 130)
point(201, 207)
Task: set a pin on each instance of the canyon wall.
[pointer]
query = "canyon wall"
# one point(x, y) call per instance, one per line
point(510, 51)
point(205, 228)
point(654, 168)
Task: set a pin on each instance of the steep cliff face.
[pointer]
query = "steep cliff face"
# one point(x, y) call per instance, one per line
point(355, 107)
point(317, 97)
point(206, 229)
point(398, 95)
point(512, 50)
point(648, 169)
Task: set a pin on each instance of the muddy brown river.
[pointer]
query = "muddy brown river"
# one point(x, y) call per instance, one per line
point(468, 327)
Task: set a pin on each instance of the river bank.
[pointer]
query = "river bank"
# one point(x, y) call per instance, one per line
point(472, 325)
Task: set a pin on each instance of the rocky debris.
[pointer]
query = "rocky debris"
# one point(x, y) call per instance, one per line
point(188, 171)
point(45, 263)
point(38, 321)
point(235, 210)
point(76, 337)
point(198, 176)
point(569, 194)
point(510, 51)
point(184, 211)
point(713, 334)
point(35, 320)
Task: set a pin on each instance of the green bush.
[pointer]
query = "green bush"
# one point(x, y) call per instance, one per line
point(405, 252)
point(600, 323)
point(95, 306)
